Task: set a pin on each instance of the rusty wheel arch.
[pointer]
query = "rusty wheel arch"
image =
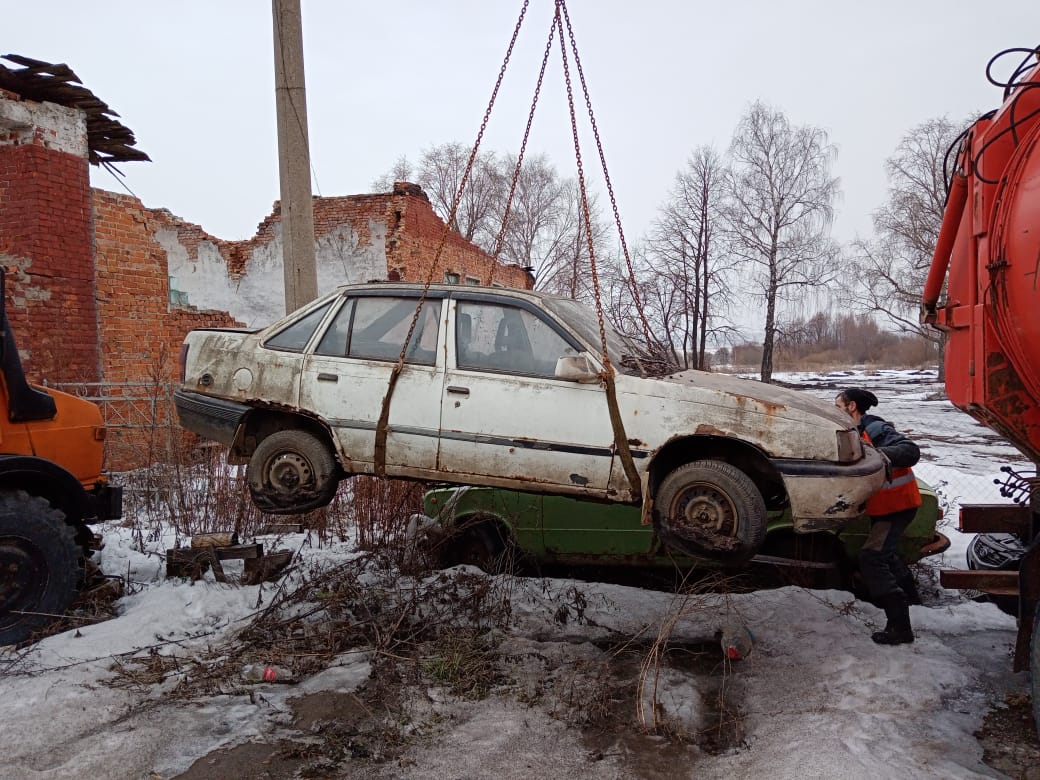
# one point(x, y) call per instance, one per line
point(747, 458)
point(262, 422)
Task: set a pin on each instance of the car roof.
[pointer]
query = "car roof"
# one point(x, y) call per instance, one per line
point(412, 287)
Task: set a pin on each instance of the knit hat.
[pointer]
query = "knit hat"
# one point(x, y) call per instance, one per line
point(864, 399)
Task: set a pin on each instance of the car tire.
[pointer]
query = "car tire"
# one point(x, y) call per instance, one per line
point(1006, 604)
point(480, 545)
point(41, 565)
point(292, 471)
point(710, 509)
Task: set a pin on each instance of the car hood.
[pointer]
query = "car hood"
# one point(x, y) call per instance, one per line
point(780, 401)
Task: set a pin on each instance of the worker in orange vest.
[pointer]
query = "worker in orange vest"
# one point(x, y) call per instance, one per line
point(888, 580)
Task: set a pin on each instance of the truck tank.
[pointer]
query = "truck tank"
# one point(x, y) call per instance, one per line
point(988, 255)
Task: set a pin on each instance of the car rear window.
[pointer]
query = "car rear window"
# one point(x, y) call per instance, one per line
point(296, 336)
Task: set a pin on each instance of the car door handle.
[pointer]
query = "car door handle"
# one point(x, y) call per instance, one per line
point(328, 378)
point(456, 390)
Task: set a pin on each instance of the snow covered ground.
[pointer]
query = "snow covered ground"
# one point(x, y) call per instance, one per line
point(814, 699)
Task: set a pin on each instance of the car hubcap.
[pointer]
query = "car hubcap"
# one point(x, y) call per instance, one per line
point(289, 472)
point(705, 516)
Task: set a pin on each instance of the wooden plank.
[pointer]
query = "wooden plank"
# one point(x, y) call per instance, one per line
point(267, 568)
point(283, 528)
point(246, 551)
point(998, 583)
point(994, 518)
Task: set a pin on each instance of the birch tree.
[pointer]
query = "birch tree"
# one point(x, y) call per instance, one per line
point(689, 289)
point(894, 264)
point(778, 213)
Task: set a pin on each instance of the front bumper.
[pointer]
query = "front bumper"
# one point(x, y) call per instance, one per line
point(824, 496)
point(211, 418)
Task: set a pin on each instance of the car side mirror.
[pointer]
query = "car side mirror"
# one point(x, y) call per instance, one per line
point(577, 368)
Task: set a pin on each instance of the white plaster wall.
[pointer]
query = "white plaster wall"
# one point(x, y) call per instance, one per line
point(46, 124)
point(259, 297)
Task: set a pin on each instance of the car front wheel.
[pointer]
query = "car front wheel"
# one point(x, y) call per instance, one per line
point(292, 471)
point(710, 509)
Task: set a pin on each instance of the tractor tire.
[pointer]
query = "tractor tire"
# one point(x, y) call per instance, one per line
point(292, 472)
point(710, 509)
point(41, 565)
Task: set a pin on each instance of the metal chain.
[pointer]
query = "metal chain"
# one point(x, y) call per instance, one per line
point(606, 176)
point(616, 423)
point(499, 240)
point(384, 414)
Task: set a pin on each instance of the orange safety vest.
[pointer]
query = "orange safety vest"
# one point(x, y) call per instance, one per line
point(898, 493)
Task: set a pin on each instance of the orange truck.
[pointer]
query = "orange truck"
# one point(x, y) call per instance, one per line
point(987, 257)
point(52, 486)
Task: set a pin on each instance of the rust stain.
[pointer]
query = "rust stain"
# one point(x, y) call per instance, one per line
point(838, 507)
point(704, 429)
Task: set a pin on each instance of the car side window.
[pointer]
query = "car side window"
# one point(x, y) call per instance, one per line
point(494, 337)
point(334, 342)
point(295, 337)
point(381, 324)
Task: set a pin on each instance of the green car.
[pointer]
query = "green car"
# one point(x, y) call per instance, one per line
point(477, 525)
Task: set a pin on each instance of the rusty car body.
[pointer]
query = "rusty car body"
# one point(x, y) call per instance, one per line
point(493, 527)
point(506, 388)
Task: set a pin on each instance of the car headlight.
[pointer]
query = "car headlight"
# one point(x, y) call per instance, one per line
point(850, 446)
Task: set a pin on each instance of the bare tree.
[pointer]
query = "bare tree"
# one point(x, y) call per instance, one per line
point(545, 230)
point(401, 171)
point(893, 266)
point(440, 173)
point(779, 209)
point(682, 252)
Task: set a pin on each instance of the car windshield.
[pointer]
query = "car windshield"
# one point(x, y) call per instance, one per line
point(624, 354)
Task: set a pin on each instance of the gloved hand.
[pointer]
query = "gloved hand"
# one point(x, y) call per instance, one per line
point(888, 465)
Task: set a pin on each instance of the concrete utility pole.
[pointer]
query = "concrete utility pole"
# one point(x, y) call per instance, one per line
point(294, 160)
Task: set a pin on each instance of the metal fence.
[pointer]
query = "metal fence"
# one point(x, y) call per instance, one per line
point(126, 405)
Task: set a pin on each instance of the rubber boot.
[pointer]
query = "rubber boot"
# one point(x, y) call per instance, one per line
point(908, 585)
point(897, 630)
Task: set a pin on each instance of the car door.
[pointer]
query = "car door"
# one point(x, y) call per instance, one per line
point(505, 418)
point(346, 377)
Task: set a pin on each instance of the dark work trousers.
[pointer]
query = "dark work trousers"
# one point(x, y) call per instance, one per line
point(879, 560)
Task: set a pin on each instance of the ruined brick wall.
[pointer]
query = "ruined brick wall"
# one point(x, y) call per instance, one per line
point(141, 330)
point(415, 234)
point(358, 238)
point(45, 240)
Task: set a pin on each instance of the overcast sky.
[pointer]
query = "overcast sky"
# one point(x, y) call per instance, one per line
point(194, 80)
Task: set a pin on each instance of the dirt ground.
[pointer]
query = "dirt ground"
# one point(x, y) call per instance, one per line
point(534, 707)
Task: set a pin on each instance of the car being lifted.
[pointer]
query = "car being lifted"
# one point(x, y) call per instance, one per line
point(508, 388)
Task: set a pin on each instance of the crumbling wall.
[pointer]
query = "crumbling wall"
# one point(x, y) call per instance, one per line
point(46, 239)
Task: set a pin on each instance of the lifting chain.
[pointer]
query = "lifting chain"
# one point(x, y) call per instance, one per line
point(560, 18)
point(606, 176)
point(520, 157)
point(384, 413)
point(607, 375)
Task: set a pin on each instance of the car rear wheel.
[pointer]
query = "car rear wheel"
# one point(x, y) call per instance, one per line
point(292, 471)
point(480, 545)
point(41, 565)
point(710, 509)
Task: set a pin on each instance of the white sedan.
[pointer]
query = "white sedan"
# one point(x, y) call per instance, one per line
point(505, 388)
